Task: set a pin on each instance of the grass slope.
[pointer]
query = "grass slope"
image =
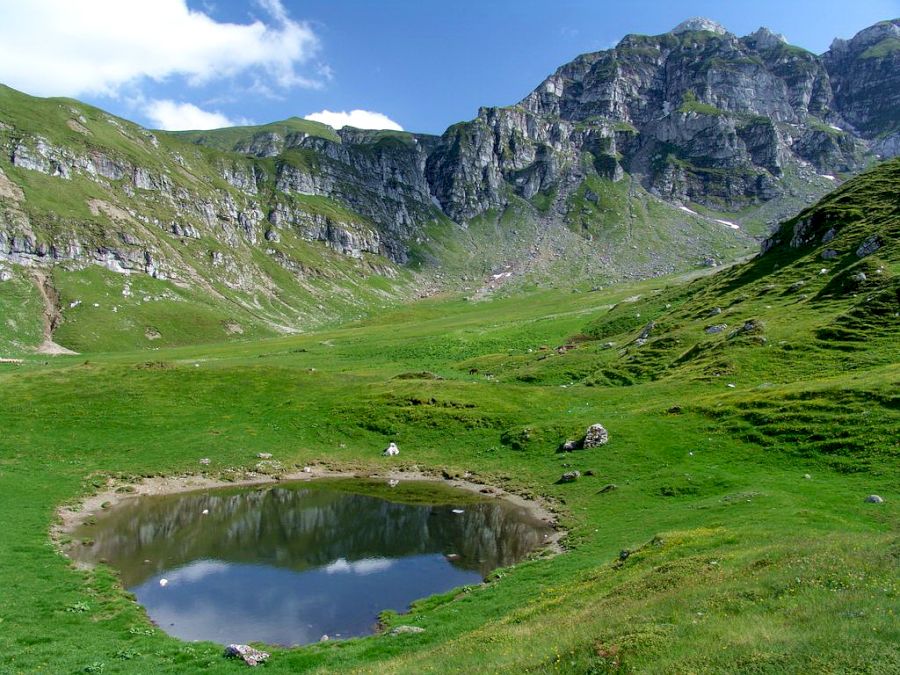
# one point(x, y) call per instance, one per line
point(736, 538)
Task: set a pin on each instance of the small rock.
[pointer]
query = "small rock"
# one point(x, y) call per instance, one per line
point(596, 436)
point(829, 254)
point(406, 630)
point(859, 277)
point(715, 311)
point(393, 482)
point(823, 271)
point(807, 476)
point(646, 330)
point(568, 446)
point(264, 455)
point(717, 328)
point(391, 450)
point(307, 469)
point(674, 410)
point(570, 477)
point(874, 499)
point(246, 653)
point(324, 638)
point(869, 246)
point(609, 487)
point(205, 461)
point(731, 385)
point(796, 286)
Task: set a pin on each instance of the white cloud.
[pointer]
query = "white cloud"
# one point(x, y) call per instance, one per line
point(361, 119)
point(361, 567)
point(63, 47)
point(173, 116)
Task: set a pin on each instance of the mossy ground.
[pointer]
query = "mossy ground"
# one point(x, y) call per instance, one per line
point(736, 539)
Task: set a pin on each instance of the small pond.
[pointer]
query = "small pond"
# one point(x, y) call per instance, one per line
point(290, 563)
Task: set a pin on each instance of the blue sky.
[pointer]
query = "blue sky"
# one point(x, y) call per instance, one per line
point(420, 65)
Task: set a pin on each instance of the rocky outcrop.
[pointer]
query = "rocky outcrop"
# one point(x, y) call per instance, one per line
point(865, 77)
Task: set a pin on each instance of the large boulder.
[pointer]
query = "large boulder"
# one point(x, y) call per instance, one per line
point(247, 654)
point(596, 436)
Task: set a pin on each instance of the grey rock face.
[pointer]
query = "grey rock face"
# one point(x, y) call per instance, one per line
point(865, 77)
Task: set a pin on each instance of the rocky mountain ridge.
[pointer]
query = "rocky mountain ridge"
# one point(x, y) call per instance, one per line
point(657, 155)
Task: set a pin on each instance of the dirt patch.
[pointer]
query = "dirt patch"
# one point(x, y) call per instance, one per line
point(71, 517)
point(51, 315)
point(114, 213)
point(75, 125)
point(9, 190)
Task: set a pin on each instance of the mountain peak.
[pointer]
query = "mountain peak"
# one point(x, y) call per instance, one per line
point(765, 38)
point(699, 23)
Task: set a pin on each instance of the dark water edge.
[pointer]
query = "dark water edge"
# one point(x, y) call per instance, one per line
point(289, 563)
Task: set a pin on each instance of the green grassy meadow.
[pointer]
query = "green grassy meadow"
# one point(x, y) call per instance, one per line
point(723, 529)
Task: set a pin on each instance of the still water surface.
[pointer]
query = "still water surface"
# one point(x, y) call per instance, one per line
point(288, 564)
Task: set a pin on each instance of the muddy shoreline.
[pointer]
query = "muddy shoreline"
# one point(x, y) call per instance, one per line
point(69, 518)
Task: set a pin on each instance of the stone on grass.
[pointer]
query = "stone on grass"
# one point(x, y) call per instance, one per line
point(596, 436)
point(407, 630)
point(264, 455)
point(829, 254)
point(246, 653)
point(570, 477)
point(569, 446)
point(874, 499)
point(391, 450)
point(205, 461)
point(717, 328)
point(869, 246)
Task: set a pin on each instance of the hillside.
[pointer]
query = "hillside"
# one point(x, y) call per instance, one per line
point(724, 528)
point(665, 154)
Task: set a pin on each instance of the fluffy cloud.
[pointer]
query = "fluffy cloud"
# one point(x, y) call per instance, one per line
point(173, 116)
point(361, 119)
point(65, 47)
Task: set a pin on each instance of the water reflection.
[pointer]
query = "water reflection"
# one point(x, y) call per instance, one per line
point(287, 564)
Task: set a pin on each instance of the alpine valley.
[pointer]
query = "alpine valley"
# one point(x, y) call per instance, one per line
point(659, 298)
point(664, 154)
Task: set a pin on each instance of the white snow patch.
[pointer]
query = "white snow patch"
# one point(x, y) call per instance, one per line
point(828, 176)
point(733, 226)
point(687, 210)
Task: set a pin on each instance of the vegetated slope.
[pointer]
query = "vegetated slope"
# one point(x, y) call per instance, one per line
point(145, 235)
point(663, 154)
point(821, 301)
point(722, 529)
